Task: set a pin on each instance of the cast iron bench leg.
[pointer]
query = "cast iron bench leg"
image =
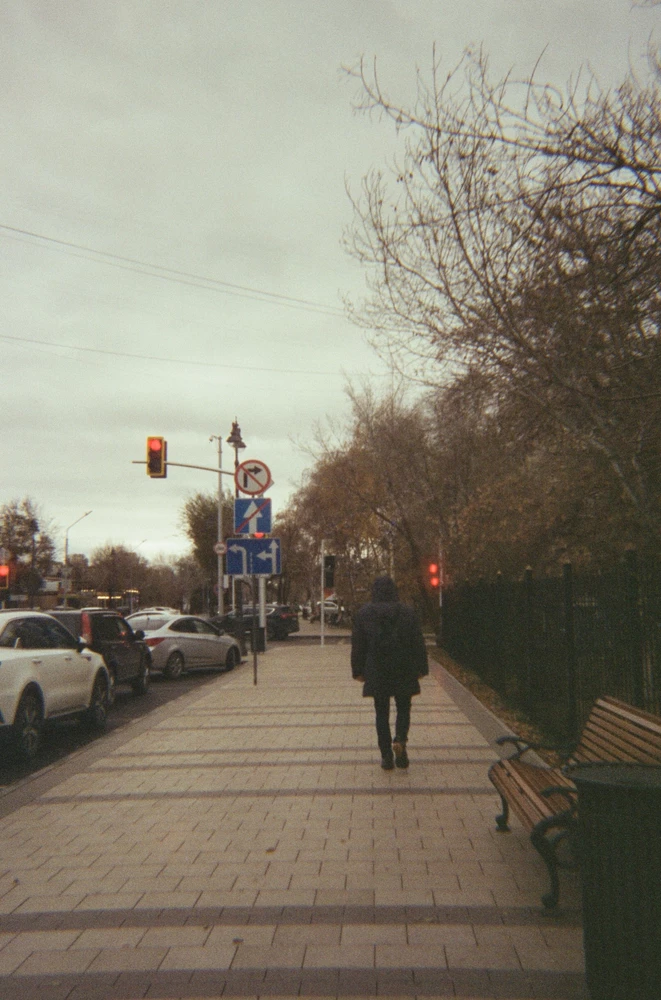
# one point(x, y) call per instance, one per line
point(502, 819)
point(546, 846)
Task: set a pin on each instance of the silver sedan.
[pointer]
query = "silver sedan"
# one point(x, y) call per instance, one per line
point(184, 642)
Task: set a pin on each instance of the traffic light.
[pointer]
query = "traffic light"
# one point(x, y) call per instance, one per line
point(157, 453)
point(434, 575)
point(329, 572)
point(4, 577)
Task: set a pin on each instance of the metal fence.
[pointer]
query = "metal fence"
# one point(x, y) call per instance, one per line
point(551, 646)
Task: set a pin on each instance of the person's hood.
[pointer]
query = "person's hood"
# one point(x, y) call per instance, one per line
point(384, 589)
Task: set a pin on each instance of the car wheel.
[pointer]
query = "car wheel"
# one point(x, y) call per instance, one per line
point(141, 685)
point(174, 668)
point(231, 659)
point(28, 726)
point(96, 715)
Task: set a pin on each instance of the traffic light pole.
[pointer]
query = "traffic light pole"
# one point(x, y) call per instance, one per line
point(322, 619)
point(220, 472)
point(441, 581)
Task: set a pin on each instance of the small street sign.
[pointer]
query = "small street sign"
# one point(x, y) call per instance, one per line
point(253, 477)
point(253, 556)
point(252, 515)
point(220, 548)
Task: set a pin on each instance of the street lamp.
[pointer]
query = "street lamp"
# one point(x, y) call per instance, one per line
point(237, 442)
point(66, 551)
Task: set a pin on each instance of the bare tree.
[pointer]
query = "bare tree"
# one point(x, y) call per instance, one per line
point(519, 236)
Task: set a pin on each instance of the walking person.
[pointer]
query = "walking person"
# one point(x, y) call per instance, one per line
point(388, 655)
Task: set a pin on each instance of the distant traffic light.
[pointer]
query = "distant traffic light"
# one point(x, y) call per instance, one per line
point(434, 576)
point(4, 577)
point(157, 453)
point(329, 571)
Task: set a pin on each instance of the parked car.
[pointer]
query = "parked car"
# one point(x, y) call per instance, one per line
point(281, 621)
point(45, 673)
point(125, 653)
point(183, 642)
point(334, 613)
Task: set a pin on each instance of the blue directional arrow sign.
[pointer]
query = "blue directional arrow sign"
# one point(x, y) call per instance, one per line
point(252, 514)
point(253, 556)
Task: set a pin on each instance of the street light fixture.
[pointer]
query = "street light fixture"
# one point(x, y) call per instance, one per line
point(66, 550)
point(237, 442)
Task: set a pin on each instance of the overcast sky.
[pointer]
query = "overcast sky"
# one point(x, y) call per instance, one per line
point(173, 203)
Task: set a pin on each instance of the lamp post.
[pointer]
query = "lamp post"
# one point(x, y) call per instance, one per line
point(66, 552)
point(237, 442)
point(221, 596)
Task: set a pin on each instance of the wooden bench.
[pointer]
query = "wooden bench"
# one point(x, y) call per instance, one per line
point(545, 798)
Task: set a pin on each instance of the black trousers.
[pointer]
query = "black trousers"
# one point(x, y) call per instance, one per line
point(402, 721)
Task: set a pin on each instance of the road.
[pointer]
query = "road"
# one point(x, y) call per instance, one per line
point(62, 738)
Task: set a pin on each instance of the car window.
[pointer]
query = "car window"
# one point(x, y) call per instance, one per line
point(57, 635)
point(105, 628)
point(124, 629)
point(204, 628)
point(32, 634)
point(10, 633)
point(184, 625)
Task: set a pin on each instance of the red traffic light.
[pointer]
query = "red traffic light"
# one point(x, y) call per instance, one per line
point(157, 453)
point(4, 577)
point(434, 576)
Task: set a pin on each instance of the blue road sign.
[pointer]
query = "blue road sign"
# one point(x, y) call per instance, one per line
point(252, 514)
point(253, 556)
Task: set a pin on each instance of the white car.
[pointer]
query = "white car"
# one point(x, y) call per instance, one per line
point(45, 674)
point(182, 642)
point(334, 613)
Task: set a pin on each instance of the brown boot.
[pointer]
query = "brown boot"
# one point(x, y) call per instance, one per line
point(401, 756)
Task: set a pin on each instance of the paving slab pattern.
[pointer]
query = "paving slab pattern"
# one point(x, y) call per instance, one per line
point(245, 842)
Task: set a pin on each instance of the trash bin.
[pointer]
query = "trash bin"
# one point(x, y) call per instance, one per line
point(619, 810)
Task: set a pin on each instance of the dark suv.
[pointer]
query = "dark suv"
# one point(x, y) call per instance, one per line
point(126, 655)
point(281, 620)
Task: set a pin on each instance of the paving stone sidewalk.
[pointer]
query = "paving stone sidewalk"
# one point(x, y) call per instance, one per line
point(244, 841)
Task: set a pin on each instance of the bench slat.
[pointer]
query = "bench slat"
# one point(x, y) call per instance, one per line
point(629, 722)
point(614, 732)
point(521, 785)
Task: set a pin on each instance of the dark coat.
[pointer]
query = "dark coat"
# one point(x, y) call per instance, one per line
point(387, 647)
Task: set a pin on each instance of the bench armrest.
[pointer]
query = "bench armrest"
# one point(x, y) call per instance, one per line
point(522, 746)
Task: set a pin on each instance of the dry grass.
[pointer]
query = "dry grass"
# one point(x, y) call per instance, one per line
point(516, 720)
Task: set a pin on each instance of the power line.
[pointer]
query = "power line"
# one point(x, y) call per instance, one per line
point(174, 275)
point(178, 361)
